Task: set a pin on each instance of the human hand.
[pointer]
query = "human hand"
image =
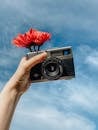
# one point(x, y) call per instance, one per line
point(20, 81)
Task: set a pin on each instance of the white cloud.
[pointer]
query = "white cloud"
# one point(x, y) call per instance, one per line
point(86, 55)
point(84, 96)
point(83, 90)
point(10, 57)
point(92, 59)
point(9, 60)
point(47, 118)
point(80, 15)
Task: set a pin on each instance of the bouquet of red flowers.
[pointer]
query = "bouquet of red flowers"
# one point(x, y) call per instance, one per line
point(31, 38)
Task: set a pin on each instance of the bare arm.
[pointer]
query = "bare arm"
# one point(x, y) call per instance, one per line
point(15, 87)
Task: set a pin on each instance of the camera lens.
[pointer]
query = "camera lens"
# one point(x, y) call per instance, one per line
point(52, 68)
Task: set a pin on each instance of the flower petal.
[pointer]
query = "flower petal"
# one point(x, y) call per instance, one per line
point(32, 37)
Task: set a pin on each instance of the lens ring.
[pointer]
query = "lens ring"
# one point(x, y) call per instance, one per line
point(52, 68)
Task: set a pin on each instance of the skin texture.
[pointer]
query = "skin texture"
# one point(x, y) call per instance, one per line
point(15, 87)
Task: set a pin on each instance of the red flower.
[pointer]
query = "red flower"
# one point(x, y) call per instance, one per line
point(31, 38)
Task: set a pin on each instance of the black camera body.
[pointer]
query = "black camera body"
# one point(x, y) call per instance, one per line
point(59, 64)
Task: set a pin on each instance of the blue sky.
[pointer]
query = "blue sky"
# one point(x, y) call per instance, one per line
point(63, 104)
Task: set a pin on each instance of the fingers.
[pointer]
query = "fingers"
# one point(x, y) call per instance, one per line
point(35, 60)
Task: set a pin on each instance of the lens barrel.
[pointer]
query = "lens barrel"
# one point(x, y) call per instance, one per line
point(52, 68)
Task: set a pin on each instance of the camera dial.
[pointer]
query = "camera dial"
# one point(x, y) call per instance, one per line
point(52, 68)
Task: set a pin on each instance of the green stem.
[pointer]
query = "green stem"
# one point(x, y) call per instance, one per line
point(30, 49)
point(34, 48)
point(39, 47)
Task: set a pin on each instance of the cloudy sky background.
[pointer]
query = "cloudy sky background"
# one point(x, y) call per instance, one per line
point(63, 104)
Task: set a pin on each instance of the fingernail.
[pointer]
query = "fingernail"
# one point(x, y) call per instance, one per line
point(44, 54)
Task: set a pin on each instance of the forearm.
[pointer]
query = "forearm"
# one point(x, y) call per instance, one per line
point(8, 101)
point(15, 87)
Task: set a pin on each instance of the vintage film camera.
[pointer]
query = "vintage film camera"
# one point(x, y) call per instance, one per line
point(58, 65)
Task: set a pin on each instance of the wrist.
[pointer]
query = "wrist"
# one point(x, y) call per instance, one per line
point(13, 86)
point(10, 89)
point(10, 92)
